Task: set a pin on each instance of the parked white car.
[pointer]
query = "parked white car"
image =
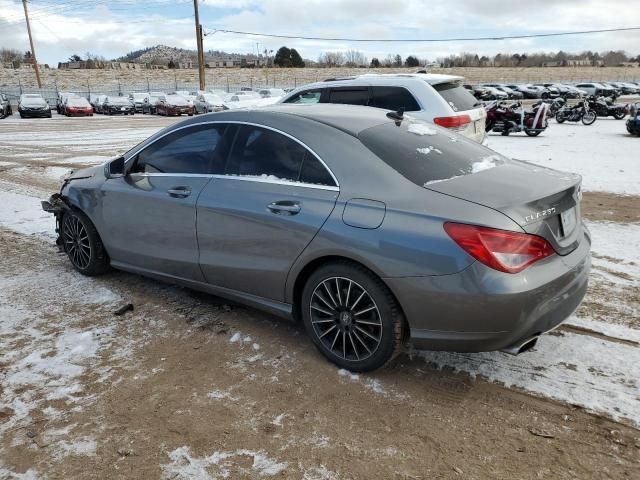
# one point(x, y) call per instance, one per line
point(440, 99)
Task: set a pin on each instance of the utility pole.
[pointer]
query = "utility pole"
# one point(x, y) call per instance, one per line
point(33, 50)
point(200, 45)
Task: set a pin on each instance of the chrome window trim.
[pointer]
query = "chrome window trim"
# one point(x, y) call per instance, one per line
point(239, 122)
point(247, 178)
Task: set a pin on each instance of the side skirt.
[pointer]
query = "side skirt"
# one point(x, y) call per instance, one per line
point(280, 309)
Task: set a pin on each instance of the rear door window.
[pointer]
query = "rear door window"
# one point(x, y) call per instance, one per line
point(260, 152)
point(393, 98)
point(456, 96)
point(349, 95)
point(199, 149)
point(426, 154)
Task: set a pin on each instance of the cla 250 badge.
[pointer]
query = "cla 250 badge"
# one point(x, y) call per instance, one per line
point(539, 215)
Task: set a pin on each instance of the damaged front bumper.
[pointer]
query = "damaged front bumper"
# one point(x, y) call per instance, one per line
point(57, 206)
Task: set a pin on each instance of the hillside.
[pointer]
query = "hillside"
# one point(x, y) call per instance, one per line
point(161, 54)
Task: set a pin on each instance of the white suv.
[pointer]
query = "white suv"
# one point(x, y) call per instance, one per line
point(440, 99)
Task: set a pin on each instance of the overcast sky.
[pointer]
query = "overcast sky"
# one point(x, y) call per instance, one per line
point(114, 27)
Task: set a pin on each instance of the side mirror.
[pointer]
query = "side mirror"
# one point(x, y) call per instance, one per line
point(115, 168)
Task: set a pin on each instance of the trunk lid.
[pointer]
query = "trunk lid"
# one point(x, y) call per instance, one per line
point(541, 200)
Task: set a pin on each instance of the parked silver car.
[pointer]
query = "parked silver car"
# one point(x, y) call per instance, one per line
point(369, 227)
point(207, 103)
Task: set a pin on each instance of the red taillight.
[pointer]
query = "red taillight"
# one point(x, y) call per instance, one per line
point(509, 252)
point(452, 122)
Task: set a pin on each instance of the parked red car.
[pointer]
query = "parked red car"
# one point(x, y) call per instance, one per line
point(173, 105)
point(77, 107)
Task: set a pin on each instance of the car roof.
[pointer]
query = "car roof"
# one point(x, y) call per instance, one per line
point(347, 118)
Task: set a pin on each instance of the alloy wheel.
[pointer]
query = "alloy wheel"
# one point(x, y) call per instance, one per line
point(76, 242)
point(345, 318)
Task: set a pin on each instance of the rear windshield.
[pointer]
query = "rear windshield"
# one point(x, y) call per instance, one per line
point(425, 154)
point(456, 96)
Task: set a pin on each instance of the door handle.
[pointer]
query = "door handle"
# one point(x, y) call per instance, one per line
point(179, 192)
point(284, 207)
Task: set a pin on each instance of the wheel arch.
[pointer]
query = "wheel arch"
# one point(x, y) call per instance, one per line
point(304, 272)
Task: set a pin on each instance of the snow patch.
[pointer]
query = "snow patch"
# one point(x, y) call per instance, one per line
point(428, 150)
point(183, 465)
point(421, 129)
point(24, 214)
point(354, 377)
point(596, 374)
point(486, 163)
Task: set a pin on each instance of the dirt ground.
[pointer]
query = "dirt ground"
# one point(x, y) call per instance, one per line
point(188, 386)
point(283, 401)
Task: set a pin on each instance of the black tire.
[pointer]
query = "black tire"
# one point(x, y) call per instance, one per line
point(532, 133)
point(82, 244)
point(559, 117)
point(589, 117)
point(619, 114)
point(359, 345)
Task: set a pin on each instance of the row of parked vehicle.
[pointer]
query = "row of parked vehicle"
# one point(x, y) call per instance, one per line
point(160, 103)
point(504, 91)
point(506, 118)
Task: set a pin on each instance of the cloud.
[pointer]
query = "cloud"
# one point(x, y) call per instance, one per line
point(114, 28)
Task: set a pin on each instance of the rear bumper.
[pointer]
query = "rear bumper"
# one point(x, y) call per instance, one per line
point(480, 309)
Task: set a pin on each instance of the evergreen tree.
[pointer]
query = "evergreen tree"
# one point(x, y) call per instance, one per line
point(296, 59)
point(375, 63)
point(283, 57)
point(411, 61)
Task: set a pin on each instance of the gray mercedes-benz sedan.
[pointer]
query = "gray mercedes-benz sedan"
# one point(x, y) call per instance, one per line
point(371, 227)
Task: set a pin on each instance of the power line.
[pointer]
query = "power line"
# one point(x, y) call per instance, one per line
point(425, 40)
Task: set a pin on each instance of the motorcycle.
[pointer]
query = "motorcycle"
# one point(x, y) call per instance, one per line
point(554, 105)
point(579, 112)
point(513, 118)
point(605, 107)
point(633, 122)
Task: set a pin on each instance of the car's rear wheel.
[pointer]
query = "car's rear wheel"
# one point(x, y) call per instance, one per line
point(82, 244)
point(352, 317)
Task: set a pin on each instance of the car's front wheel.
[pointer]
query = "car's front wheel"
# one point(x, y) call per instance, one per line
point(352, 317)
point(82, 244)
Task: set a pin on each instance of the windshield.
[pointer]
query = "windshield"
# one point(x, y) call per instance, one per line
point(456, 96)
point(77, 102)
point(138, 97)
point(426, 154)
point(212, 99)
point(33, 100)
point(119, 101)
point(176, 100)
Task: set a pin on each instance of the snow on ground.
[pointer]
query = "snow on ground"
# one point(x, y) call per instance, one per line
point(47, 352)
point(24, 214)
point(616, 247)
point(599, 375)
point(184, 465)
point(602, 153)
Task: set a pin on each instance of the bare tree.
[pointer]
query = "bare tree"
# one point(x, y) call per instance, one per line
point(332, 59)
point(355, 58)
